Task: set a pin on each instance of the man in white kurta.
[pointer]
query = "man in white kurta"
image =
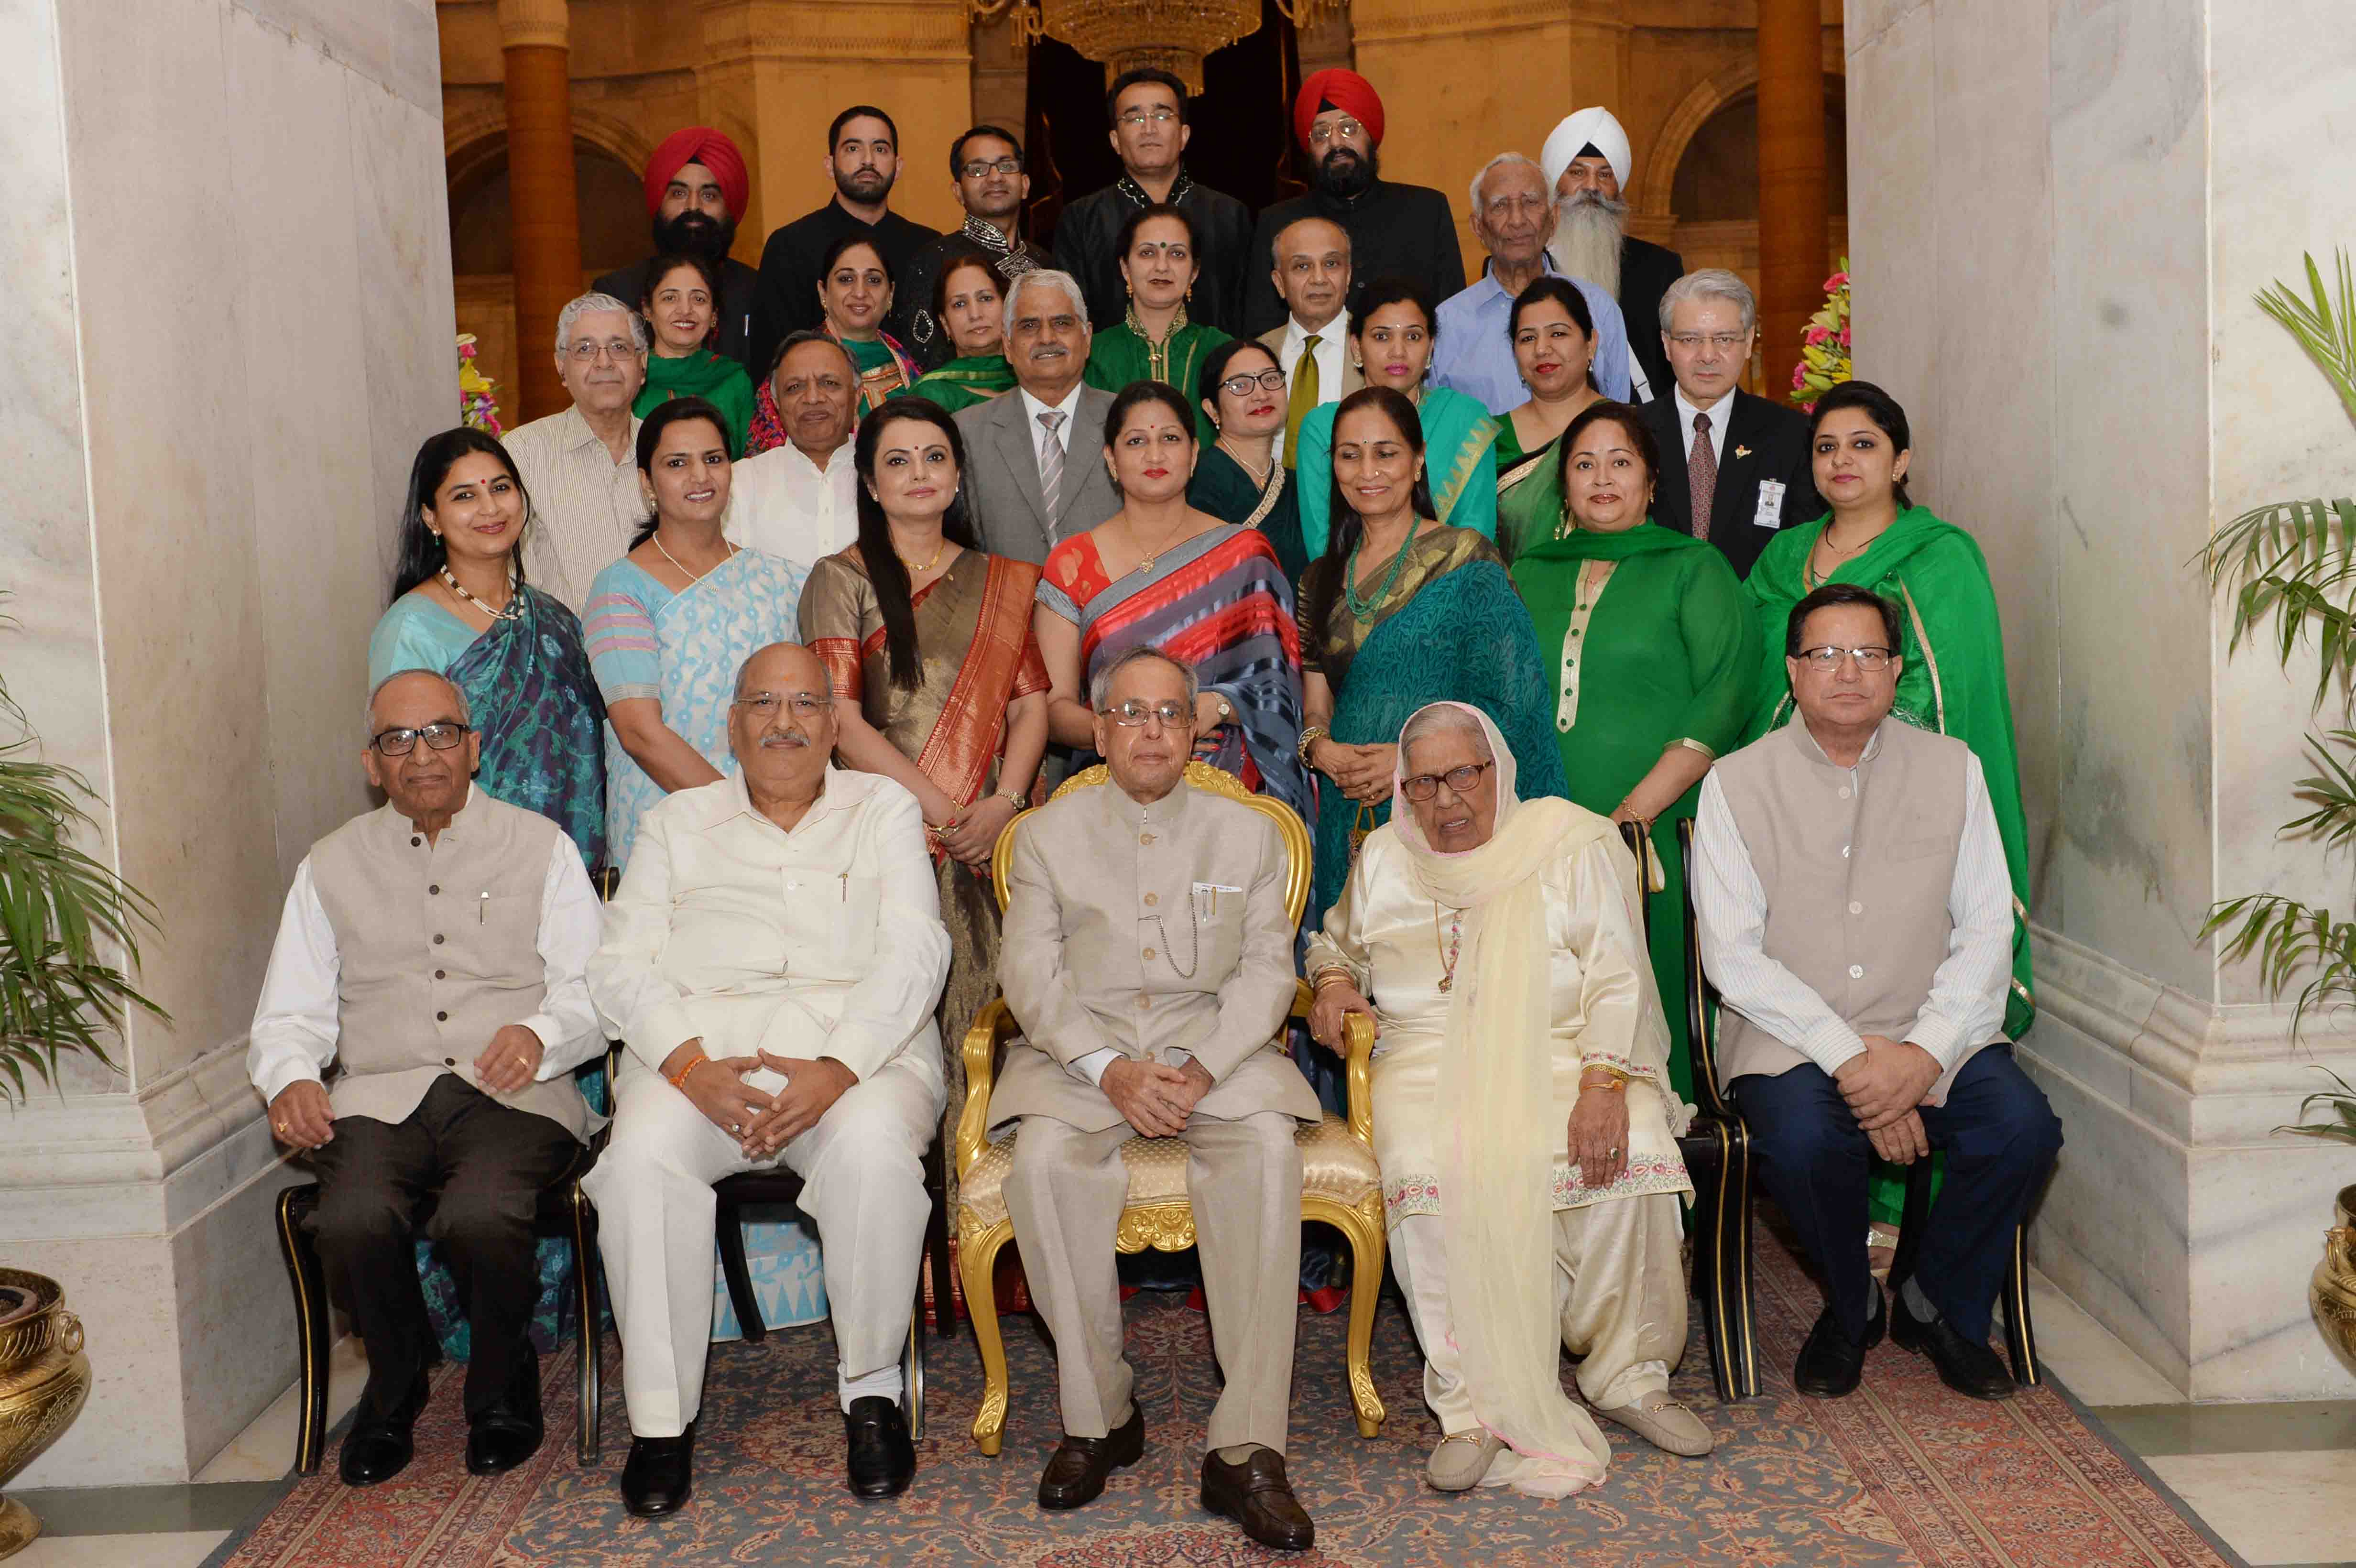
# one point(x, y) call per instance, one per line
point(772, 961)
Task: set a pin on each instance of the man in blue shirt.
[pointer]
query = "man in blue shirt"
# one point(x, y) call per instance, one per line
point(1513, 217)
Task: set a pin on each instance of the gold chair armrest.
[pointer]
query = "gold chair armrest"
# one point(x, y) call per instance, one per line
point(1359, 1048)
point(993, 1028)
point(1303, 999)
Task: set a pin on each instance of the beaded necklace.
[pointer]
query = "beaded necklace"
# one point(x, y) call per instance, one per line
point(1364, 609)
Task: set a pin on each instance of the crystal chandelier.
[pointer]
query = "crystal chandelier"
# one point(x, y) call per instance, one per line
point(1130, 35)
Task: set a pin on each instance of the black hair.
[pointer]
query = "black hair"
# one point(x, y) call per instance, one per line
point(1625, 415)
point(1138, 393)
point(676, 411)
point(843, 244)
point(793, 340)
point(1567, 295)
point(1139, 77)
point(1348, 527)
point(886, 570)
point(1389, 288)
point(957, 148)
point(954, 259)
point(422, 552)
point(1875, 405)
point(1215, 363)
point(1834, 593)
point(1144, 215)
point(857, 112)
point(663, 266)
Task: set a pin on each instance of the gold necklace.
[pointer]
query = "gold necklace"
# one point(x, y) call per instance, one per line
point(915, 570)
point(1147, 564)
point(694, 577)
point(1449, 955)
point(507, 612)
point(1258, 476)
point(1825, 542)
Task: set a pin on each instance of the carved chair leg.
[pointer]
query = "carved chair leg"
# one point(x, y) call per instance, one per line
point(1368, 1243)
point(730, 1234)
point(976, 1257)
point(312, 1323)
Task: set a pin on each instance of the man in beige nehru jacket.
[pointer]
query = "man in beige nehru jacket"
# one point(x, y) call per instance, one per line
point(1149, 958)
point(436, 947)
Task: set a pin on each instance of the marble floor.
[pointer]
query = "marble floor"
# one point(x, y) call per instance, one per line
point(2272, 1481)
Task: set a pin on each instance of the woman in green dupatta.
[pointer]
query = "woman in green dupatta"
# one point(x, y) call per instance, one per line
point(682, 305)
point(1653, 640)
point(1237, 478)
point(1553, 347)
point(1951, 679)
point(969, 299)
point(1155, 342)
point(1391, 333)
point(854, 290)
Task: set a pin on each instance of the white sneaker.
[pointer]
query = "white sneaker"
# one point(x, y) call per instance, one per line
point(1664, 1422)
point(1460, 1459)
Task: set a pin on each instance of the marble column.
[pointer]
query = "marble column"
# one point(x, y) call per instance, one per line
point(543, 210)
point(1792, 264)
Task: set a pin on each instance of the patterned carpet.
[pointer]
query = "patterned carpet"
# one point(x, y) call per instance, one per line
point(1902, 1473)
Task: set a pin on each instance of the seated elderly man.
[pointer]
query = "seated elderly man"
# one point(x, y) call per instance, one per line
point(766, 1021)
point(1149, 958)
point(1855, 916)
point(457, 1040)
point(1521, 1111)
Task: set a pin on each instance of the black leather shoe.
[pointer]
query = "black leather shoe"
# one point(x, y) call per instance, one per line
point(1831, 1363)
point(883, 1461)
point(660, 1476)
point(1255, 1495)
point(1968, 1368)
point(376, 1450)
point(1076, 1473)
point(507, 1432)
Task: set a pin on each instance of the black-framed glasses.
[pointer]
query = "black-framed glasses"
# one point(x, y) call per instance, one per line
point(1133, 713)
point(440, 737)
point(1240, 386)
point(1423, 786)
point(974, 168)
point(1827, 658)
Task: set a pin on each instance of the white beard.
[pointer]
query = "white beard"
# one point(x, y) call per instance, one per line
point(1587, 235)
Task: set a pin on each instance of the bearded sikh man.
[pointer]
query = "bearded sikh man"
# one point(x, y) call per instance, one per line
point(986, 166)
point(1402, 229)
point(1588, 164)
point(696, 191)
point(862, 159)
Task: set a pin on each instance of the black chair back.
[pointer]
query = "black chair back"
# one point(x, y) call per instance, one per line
point(1701, 997)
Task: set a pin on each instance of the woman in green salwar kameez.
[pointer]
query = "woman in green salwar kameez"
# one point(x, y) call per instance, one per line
point(1237, 478)
point(968, 300)
point(1155, 342)
point(1554, 348)
point(1650, 639)
point(682, 304)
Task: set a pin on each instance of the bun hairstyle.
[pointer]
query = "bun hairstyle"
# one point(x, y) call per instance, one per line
point(1875, 405)
point(886, 570)
point(422, 552)
point(1348, 527)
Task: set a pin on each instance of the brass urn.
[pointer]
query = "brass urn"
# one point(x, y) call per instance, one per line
point(44, 1378)
point(2332, 1294)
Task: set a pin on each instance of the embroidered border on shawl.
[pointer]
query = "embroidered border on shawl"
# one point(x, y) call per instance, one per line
point(1407, 1195)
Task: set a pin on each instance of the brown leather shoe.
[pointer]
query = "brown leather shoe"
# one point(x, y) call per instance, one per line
point(1077, 1472)
point(1255, 1495)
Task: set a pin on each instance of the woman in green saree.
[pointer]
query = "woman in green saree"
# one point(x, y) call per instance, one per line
point(1391, 333)
point(854, 290)
point(969, 299)
point(682, 305)
point(1553, 347)
point(1237, 478)
point(1653, 640)
point(1156, 342)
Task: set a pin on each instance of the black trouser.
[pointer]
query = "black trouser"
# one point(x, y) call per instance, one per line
point(484, 1165)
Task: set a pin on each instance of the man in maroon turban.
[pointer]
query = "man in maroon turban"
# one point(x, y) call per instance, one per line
point(697, 187)
point(1403, 229)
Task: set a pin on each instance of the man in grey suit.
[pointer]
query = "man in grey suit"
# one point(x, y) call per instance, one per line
point(1148, 957)
point(1035, 470)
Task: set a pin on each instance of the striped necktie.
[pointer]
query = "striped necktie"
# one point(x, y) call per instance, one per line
point(1051, 461)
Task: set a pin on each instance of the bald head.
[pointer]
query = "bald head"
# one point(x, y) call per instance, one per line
point(406, 690)
point(781, 726)
point(407, 712)
point(1312, 270)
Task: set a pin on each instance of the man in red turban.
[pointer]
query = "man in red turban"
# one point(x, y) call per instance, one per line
point(697, 188)
point(1405, 231)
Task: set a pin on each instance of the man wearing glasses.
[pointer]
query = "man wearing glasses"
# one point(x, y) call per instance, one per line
point(986, 168)
point(1149, 958)
point(581, 466)
point(771, 962)
point(435, 947)
point(1148, 110)
point(1856, 915)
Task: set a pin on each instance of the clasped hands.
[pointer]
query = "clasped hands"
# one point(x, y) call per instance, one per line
point(762, 1123)
point(1155, 1098)
point(302, 1117)
point(1883, 1086)
point(1363, 772)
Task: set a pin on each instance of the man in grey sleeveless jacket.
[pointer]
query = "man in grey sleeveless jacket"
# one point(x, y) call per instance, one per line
point(437, 946)
point(1855, 916)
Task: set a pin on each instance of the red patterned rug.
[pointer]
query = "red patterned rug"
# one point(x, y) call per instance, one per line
point(1901, 1473)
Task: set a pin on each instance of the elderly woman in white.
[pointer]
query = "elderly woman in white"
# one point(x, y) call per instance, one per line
point(1520, 1111)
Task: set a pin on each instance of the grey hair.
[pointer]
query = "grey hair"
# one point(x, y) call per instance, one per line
point(746, 668)
point(1711, 283)
point(1427, 721)
point(590, 304)
point(1499, 162)
point(1100, 689)
point(367, 717)
point(1043, 277)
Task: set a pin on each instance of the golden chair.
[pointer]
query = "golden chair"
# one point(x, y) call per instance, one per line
point(1340, 1183)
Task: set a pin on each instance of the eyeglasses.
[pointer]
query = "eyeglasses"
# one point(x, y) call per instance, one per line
point(1241, 386)
point(1160, 114)
point(1340, 131)
point(803, 704)
point(1423, 786)
point(1724, 342)
point(979, 168)
point(1130, 715)
point(1828, 658)
point(440, 736)
point(586, 352)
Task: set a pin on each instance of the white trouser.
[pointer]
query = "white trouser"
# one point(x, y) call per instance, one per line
point(1618, 1286)
point(863, 1184)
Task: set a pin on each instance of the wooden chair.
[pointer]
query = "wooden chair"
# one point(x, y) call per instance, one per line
point(1340, 1183)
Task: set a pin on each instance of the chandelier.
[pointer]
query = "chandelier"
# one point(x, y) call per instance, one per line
point(1132, 35)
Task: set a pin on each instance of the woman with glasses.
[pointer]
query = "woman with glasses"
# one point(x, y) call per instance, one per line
point(1554, 348)
point(1156, 341)
point(1653, 644)
point(669, 624)
point(854, 291)
point(1521, 1117)
point(462, 609)
point(1237, 478)
point(967, 293)
point(937, 681)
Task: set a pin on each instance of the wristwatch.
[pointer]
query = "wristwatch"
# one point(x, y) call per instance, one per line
point(1015, 798)
point(1227, 710)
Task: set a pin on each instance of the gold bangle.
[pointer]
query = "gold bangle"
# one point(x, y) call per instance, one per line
point(1308, 737)
point(1619, 1078)
point(1318, 981)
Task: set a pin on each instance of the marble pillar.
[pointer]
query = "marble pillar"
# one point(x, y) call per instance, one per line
point(228, 243)
point(2088, 197)
point(544, 208)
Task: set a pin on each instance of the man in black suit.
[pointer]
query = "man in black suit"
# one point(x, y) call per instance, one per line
point(1740, 462)
point(863, 154)
point(696, 190)
point(1587, 163)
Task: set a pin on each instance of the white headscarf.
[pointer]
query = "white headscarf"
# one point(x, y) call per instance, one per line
point(1576, 131)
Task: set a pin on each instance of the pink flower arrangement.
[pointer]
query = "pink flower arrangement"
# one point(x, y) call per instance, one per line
point(1825, 347)
point(476, 407)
